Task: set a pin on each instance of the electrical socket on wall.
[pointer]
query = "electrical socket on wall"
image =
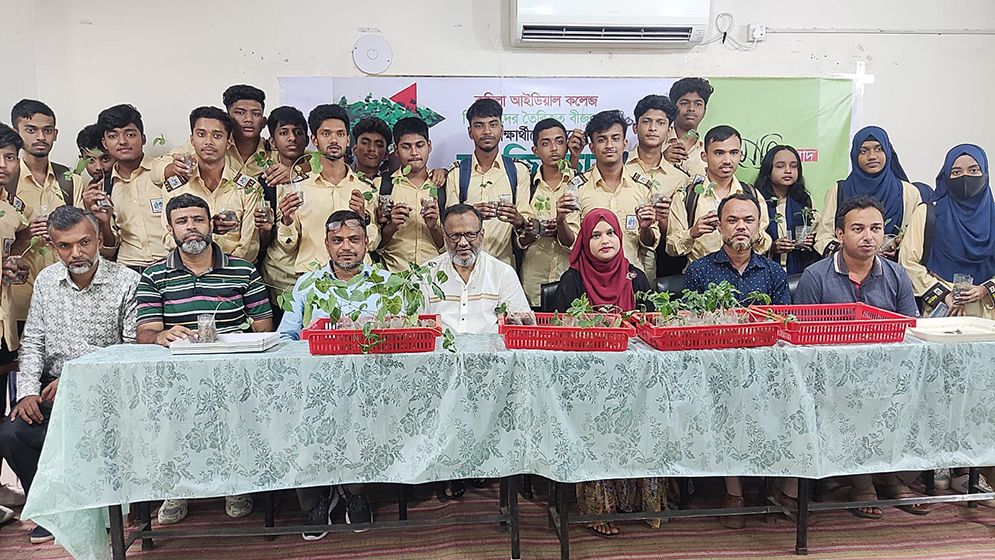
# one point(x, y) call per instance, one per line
point(756, 32)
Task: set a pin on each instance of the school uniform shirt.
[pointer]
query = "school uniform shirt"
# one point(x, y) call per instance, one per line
point(138, 216)
point(679, 240)
point(37, 199)
point(306, 233)
point(412, 242)
point(825, 229)
point(694, 165)
point(487, 186)
point(11, 222)
point(622, 202)
point(233, 160)
point(546, 259)
point(925, 284)
point(242, 242)
point(662, 178)
point(468, 307)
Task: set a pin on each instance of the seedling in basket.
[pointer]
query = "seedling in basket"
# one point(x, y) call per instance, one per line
point(582, 314)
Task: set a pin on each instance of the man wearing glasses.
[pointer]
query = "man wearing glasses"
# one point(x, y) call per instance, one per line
point(478, 283)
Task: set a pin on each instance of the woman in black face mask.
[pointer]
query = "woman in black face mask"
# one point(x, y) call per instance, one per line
point(955, 235)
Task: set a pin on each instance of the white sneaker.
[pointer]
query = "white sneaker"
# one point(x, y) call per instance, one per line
point(10, 496)
point(238, 506)
point(941, 479)
point(172, 511)
point(959, 484)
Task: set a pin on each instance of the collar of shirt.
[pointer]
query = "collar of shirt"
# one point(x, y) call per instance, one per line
point(720, 257)
point(175, 262)
point(102, 276)
point(27, 176)
point(734, 188)
point(661, 166)
point(233, 150)
point(404, 180)
point(227, 180)
point(839, 265)
point(145, 165)
point(350, 177)
point(476, 164)
point(595, 178)
point(541, 183)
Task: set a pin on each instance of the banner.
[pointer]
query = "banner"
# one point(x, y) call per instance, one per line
point(813, 115)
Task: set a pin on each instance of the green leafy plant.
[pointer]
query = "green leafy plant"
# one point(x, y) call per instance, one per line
point(159, 140)
point(542, 203)
point(87, 158)
point(37, 242)
point(808, 215)
point(501, 309)
point(707, 190)
point(262, 161)
point(777, 218)
point(582, 314)
point(563, 166)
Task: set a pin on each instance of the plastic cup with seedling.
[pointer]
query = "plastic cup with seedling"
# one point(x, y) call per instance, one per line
point(264, 210)
point(426, 203)
point(18, 268)
point(297, 189)
point(801, 235)
point(207, 328)
point(227, 215)
point(962, 284)
point(386, 204)
point(190, 161)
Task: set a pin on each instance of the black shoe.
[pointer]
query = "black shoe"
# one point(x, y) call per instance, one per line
point(358, 510)
point(41, 535)
point(321, 514)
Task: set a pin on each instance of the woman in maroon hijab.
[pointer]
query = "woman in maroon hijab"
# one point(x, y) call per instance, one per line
point(599, 269)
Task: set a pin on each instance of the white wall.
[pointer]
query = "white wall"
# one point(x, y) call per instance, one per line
point(930, 91)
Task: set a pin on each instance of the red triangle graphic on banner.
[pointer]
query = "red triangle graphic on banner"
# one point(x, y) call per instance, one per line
point(407, 97)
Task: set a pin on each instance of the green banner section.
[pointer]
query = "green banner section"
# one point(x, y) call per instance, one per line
point(813, 115)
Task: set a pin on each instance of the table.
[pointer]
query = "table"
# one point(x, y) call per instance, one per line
point(134, 424)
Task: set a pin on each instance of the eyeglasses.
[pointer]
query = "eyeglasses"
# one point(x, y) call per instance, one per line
point(351, 222)
point(470, 236)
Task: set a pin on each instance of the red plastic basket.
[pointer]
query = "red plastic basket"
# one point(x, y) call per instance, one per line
point(545, 336)
point(707, 337)
point(324, 341)
point(838, 323)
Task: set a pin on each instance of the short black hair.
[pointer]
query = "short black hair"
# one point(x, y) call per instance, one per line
point(410, 125)
point(685, 86)
point(185, 200)
point(374, 125)
point(66, 217)
point(26, 108)
point(282, 116)
point(546, 124)
point(90, 139)
point(738, 196)
point(484, 108)
point(322, 113)
point(120, 116)
point(211, 113)
point(242, 91)
point(603, 121)
point(721, 133)
point(654, 101)
point(457, 209)
point(856, 203)
point(341, 216)
point(10, 137)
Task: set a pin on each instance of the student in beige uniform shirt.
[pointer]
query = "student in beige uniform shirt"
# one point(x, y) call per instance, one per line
point(233, 196)
point(333, 187)
point(697, 235)
point(654, 114)
point(608, 187)
point(13, 235)
point(505, 207)
point(136, 200)
point(691, 96)
point(411, 231)
point(245, 105)
point(548, 255)
point(90, 186)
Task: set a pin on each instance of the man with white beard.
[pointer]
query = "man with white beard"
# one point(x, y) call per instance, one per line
point(477, 283)
point(80, 304)
point(198, 278)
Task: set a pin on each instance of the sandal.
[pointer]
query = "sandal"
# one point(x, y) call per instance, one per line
point(898, 491)
point(778, 497)
point(604, 530)
point(450, 490)
point(733, 521)
point(872, 513)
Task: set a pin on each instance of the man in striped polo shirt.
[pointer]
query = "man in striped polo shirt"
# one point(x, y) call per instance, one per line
point(195, 278)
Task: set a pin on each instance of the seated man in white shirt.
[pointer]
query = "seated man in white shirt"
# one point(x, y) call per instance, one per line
point(478, 282)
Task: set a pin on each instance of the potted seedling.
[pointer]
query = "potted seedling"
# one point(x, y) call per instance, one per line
point(802, 232)
point(16, 261)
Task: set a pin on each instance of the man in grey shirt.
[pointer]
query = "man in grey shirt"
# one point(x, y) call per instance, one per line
point(856, 273)
point(79, 305)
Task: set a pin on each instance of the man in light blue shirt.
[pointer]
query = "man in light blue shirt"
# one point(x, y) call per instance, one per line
point(346, 242)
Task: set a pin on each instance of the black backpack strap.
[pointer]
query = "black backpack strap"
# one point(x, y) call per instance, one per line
point(386, 185)
point(65, 183)
point(927, 234)
point(464, 179)
point(691, 198)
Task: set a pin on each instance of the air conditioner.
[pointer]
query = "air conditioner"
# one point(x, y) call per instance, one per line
point(612, 23)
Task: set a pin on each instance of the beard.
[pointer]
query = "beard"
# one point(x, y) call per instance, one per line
point(737, 245)
point(77, 269)
point(467, 261)
point(194, 246)
point(346, 265)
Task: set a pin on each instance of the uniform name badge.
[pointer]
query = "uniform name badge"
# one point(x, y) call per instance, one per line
point(156, 204)
point(576, 182)
point(18, 204)
point(244, 181)
point(174, 183)
point(6, 246)
point(631, 223)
